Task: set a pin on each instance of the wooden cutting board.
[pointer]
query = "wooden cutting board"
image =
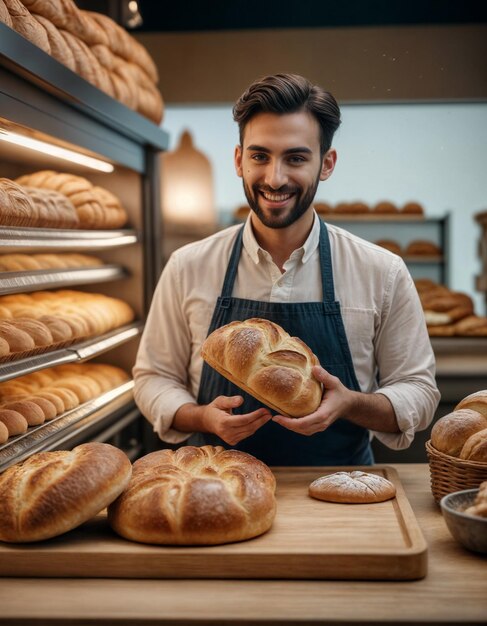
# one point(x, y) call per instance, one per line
point(309, 539)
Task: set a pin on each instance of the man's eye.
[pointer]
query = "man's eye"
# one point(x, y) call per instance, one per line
point(259, 157)
point(296, 159)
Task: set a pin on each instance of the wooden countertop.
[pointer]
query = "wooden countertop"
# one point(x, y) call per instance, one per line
point(453, 592)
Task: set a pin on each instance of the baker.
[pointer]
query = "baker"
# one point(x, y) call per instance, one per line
point(353, 303)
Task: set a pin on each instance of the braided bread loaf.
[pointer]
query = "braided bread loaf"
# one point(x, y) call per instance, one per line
point(195, 496)
point(53, 492)
point(261, 358)
point(95, 207)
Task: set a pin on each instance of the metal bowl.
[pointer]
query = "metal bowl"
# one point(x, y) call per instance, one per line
point(469, 530)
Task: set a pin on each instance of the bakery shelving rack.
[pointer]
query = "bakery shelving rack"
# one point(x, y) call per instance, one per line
point(403, 229)
point(42, 98)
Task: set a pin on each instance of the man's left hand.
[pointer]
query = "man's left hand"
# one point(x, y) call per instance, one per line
point(336, 402)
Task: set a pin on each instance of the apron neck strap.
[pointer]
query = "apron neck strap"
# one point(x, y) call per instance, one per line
point(232, 266)
point(325, 263)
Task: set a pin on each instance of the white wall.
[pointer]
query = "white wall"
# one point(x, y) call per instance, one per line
point(435, 154)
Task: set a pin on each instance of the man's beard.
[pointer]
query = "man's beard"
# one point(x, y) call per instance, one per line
point(303, 201)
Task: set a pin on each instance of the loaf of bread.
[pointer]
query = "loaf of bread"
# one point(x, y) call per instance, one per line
point(33, 399)
point(389, 244)
point(53, 492)
point(195, 496)
point(385, 207)
point(471, 326)
point(32, 262)
point(262, 359)
point(420, 247)
point(476, 402)
point(479, 507)
point(75, 37)
point(412, 208)
point(323, 208)
point(95, 207)
point(351, 208)
point(352, 488)
point(463, 433)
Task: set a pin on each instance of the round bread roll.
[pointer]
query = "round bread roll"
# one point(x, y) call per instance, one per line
point(323, 208)
point(263, 360)
point(195, 496)
point(412, 208)
point(53, 492)
point(475, 448)
point(389, 244)
point(475, 401)
point(451, 431)
point(385, 207)
point(352, 488)
point(421, 247)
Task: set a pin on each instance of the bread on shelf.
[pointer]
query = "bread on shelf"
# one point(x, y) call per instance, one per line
point(385, 207)
point(46, 320)
point(389, 244)
point(53, 492)
point(92, 45)
point(96, 208)
point(32, 262)
point(43, 395)
point(421, 247)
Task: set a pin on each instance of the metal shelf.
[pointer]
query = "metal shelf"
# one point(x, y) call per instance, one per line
point(75, 353)
point(50, 434)
point(16, 239)
point(33, 280)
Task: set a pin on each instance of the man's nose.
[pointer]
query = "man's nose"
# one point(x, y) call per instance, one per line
point(276, 175)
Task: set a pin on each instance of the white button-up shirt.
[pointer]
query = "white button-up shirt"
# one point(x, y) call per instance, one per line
point(382, 315)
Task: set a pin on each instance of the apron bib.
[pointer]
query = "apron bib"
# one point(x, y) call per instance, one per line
point(320, 326)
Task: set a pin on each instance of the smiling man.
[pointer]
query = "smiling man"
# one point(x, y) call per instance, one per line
point(353, 303)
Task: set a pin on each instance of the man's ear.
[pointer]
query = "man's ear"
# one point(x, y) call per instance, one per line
point(238, 160)
point(328, 165)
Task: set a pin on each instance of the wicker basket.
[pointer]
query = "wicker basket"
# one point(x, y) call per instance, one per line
point(449, 473)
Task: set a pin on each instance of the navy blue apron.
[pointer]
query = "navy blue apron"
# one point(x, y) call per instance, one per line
point(320, 326)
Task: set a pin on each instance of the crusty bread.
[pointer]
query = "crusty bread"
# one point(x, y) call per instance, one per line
point(479, 507)
point(352, 488)
point(390, 244)
point(475, 448)
point(195, 496)
point(262, 359)
point(412, 208)
point(53, 492)
point(450, 433)
point(421, 247)
point(385, 207)
point(475, 401)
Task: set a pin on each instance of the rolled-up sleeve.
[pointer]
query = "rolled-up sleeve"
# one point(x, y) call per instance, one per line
point(160, 371)
point(405, 358)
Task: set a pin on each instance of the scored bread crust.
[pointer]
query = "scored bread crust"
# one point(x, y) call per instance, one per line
point(195, 496)
point(261, 358)
point(352, 488)
point(53, 492)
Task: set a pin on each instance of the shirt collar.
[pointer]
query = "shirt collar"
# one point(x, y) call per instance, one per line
point(307, 249)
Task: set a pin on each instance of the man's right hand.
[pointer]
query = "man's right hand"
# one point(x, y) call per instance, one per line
point(217, 418)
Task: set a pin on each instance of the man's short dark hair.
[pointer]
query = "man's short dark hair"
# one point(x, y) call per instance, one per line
point(289, 93)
